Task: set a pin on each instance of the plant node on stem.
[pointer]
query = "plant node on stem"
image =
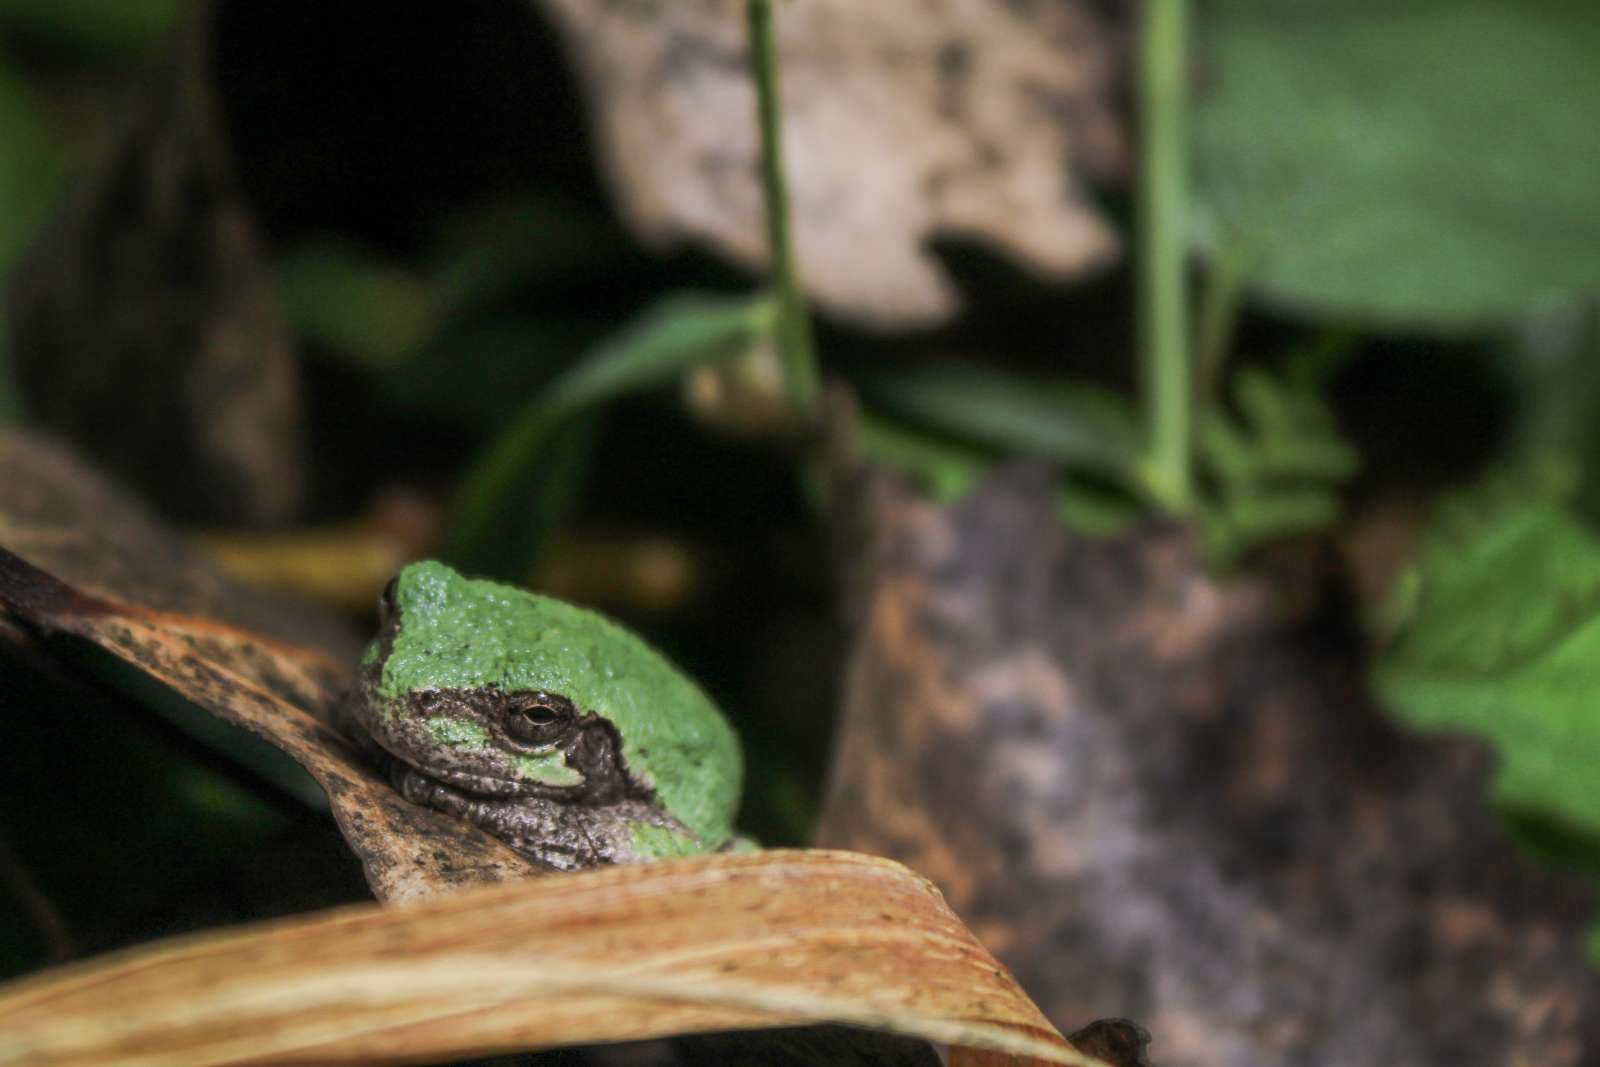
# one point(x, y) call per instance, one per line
point(794, 321)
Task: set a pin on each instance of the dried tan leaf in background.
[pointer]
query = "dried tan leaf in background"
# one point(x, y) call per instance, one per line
point(903, 120)
point(742, 941)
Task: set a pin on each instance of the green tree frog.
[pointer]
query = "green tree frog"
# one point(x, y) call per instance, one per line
point(547, 725)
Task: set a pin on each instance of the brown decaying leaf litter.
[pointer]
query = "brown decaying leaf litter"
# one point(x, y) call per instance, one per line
point(1153, 794)
point(711, 943)
point(904, 120)
point(730, 941)
point(227, 649)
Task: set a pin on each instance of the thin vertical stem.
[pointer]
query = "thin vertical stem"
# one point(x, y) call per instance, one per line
point(1164, 318)
point(794, 320)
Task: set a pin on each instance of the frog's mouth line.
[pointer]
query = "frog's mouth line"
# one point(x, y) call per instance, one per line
point(554, 834)
point(485, 786)
point(593, 750)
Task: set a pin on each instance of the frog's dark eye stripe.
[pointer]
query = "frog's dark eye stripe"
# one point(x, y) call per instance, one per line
point(539, 718)
point(386, 601)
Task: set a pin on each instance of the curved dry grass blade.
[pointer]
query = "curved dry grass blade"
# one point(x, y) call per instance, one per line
point(280, 692)
point(742, 941)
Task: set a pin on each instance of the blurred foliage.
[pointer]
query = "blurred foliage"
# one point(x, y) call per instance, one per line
point(1279, 466)
point(94, 32)
point(24, 175)
point(945, 422)
point(1495, 629)
point(387, 313)
point(1428, 163)
point(25, 165)
point(1077, 425)
point(947, 469)
point(1501, 638)
point(108, 29)
point(1418, 167)
point(1364, 172)
point(506, 502)
point(170, 827)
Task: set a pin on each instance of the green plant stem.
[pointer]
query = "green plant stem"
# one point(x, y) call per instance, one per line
point(1164, 319)
point(794, 320)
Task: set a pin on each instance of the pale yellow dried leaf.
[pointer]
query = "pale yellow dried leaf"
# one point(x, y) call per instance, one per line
point(742, 941)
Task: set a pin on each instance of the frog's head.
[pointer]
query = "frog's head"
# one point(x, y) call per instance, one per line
point(499, 692)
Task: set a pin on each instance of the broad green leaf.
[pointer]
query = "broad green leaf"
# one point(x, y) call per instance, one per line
point(496, 521)
point(1425, 163)
point(1503, 641)
point(1078, 425)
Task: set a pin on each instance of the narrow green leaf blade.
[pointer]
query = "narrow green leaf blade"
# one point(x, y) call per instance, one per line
point(496, 518)
point(1087, 428)
point(675, 333)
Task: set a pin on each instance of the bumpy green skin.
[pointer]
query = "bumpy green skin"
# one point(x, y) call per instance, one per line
point(461, 633)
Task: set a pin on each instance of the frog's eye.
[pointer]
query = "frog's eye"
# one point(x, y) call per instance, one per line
point(539, 718)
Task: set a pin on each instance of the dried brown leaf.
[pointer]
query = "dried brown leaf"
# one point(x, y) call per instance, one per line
point(903, 120)
point(743, 941)
point(732, 941)
point(85, 559)
point(283, 693)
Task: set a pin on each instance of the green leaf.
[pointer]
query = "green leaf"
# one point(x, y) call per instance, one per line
point(1079, 425)
point(496, 522)
point(1277, 469)
point(26, 170)
point(495, 249)
point(1503, 641)
point(386, 314)
point(948, 469)
point(481, 371)
point(358, 305)
point(116, 29)
point(672, 335)
point(1421, 163)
